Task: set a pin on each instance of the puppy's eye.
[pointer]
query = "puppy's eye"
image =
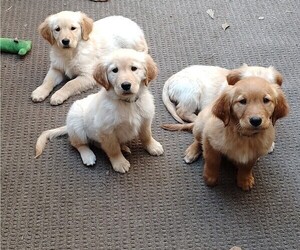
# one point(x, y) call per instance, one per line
point(57, 29)
point(73, 28)
point(133, 68)
point(266, 100)
point(243, 101)
point(115, 70)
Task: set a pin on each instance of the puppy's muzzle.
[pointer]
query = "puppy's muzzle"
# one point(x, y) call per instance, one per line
point(126, 86)
point(66, 42)
point(255, 121)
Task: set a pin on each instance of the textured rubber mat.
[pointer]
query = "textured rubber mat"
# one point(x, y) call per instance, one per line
point(54, 202)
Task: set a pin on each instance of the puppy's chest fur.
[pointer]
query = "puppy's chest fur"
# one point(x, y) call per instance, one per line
point(73, 62)
point(102, 116)
point(238, 148)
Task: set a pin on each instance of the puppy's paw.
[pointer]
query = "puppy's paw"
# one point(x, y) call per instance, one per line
point(210, 175)
point(271, 149)
point(39, 94)
point(154, 148)
point(210, 180)
point(88, 158)
point(191, 154)
point(121, 165)
point(246, 183)
point(58, 98)
point(125, 149)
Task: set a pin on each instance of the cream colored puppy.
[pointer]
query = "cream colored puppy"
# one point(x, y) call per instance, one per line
point(118, 113)
point(76, 44)
point(195, 87)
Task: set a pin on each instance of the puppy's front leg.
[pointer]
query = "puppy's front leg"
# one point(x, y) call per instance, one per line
point(212, 164)
point(53, 78)
point(149, 143)
point(112, 148)
point(245, 178)
point(72, 87)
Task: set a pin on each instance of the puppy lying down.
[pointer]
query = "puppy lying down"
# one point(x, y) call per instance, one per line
point(77, 42)
point(118, 113)
point(193, 88)
point(238, 125)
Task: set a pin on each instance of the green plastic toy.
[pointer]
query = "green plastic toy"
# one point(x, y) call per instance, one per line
point(16, 46)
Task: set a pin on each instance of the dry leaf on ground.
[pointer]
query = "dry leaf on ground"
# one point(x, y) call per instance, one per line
point(211, 13)
point(225, 26)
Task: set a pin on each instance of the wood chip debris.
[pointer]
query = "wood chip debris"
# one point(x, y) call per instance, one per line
point(211, 13)
point(225, 26)
point(8, 9)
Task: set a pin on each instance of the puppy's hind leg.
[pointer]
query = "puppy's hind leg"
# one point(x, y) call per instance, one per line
point(81, 144)
point(186, 115)
point(192, 152)
point(112, 148)
point(87, 155)
point(125, 149)
point(72, 87)
point(271, 149)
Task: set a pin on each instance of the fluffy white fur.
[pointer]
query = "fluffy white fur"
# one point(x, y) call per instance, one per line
point(118, 113)
point(191, 89)
point(195, 87)
point(76, 44)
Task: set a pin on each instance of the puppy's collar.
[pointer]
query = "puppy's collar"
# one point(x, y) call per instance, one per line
point(130, 101)
point(248, 135)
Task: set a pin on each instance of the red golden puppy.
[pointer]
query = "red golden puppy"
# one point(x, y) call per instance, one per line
point(238, 125)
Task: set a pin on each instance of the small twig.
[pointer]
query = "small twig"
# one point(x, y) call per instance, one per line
point(8, 8)
point(99, 0)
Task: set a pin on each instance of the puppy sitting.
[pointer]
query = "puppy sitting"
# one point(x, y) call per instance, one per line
point(238, 125)
point(120, 112)
point(193, 88)
point(76, 44)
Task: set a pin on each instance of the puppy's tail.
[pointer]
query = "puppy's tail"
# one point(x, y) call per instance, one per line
point(178, 127)
point(169, 105)
point(48, 135)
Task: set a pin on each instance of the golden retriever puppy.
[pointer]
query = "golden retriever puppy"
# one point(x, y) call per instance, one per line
point(193, 88)
point(118, 113)
point(238, 125)
point(76, 44)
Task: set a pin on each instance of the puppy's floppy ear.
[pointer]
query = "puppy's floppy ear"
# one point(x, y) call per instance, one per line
point(86, 26)
point(46, 32)
point(151, 69)
point(234, 76)
point(100, 75)
point(281, 107)
point(277, 76)
point(221, 107)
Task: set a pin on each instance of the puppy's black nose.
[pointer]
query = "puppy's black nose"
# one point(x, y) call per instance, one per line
point(126, 86)
point(255, 121)
point(65, 42)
